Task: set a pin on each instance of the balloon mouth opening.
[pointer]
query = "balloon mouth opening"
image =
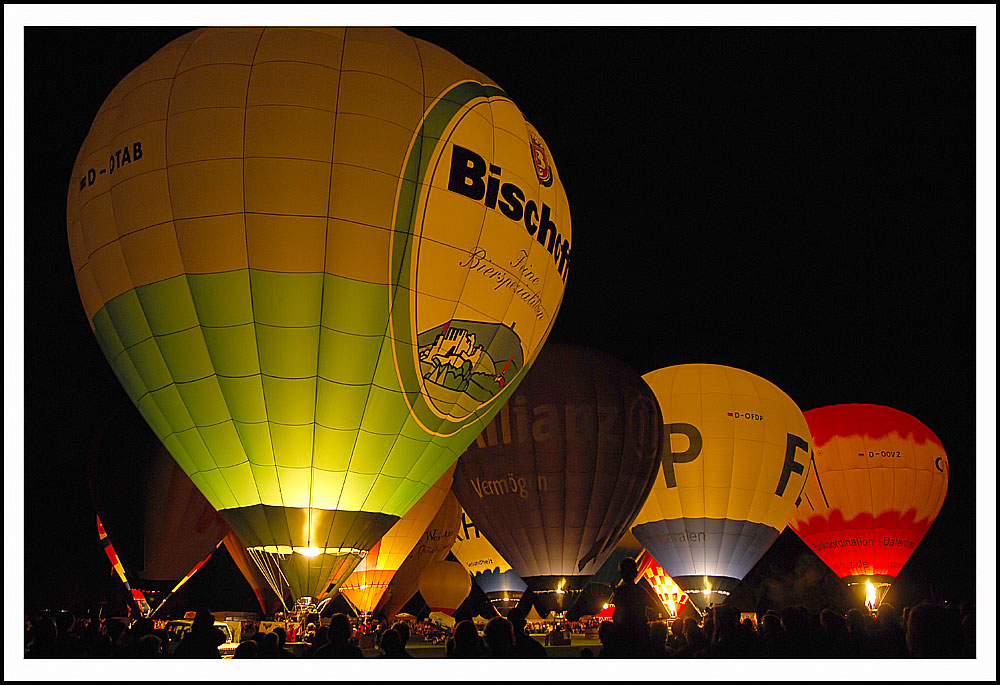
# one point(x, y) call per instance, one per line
point(285, 550)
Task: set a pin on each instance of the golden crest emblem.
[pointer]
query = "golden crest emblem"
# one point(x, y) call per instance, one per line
point(538, 155)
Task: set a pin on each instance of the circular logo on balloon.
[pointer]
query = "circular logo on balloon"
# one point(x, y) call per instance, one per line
point(482, 248)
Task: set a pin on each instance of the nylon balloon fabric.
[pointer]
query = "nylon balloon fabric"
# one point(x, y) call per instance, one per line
point(318, 260)
point(432, 546)
point(879, 481)
point(371, 578)
point(554, 482)
point(736, 457)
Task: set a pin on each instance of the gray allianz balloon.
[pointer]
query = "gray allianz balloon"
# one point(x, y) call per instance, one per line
point(554, 481)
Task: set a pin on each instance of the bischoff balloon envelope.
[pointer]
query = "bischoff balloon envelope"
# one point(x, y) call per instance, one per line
point(555, 480)
point(879, 480)
point(432, 546)
point(319, 261)
point(735, 458)
point(490, 571)
point(370, 579)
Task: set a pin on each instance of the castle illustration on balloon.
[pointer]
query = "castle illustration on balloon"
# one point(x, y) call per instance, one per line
point(471, 357)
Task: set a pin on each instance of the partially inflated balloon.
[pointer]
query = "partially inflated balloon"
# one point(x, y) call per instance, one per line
point(735, 459)
point(161, 527)
point(318, 260)
point(432, 546)
point(555, 480)
point(444, 585)
point(365, 586)
point(670, 594)
point(879, 480)
point(490, 571)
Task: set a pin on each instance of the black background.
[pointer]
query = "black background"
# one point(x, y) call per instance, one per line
point(796, 202)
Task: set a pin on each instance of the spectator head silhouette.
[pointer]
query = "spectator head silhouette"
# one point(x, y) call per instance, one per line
point(498, 636)
point(856, 622)
point(203, 620)
point(268, 643)
point(628, 569)
point(149, 646)
point(340, 632)
point(403, 628)
point(658, 634)
point(517, 619)
point(934, 632)
point(246, 650)
point(391, 643)
point(888, 616)
point(282, 636)
point(466, 638)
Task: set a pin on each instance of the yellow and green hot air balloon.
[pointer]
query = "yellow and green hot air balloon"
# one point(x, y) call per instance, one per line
point(318, 260)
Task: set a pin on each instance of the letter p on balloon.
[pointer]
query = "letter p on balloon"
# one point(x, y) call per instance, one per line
point(670, 457)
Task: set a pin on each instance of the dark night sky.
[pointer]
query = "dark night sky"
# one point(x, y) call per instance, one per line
point(796, 202)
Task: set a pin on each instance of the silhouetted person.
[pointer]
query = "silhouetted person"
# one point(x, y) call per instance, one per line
point(888, 639)
point(857, 635)
point(728, 638)
point(403, 629)
point(392, 645)
point(658, 641)
point(794, 642)
point(587, 653)
point(498, 637)
point(282, 636)
point(149, 646)
point(114, 630)
point(631, 600)
point(835, 634)
point(607, 633)
point(246, 650)
point(465, 642)
point(696, 644)
point(525, 646)
point(129, 641)
point(203, 640)
point(67, 642)
point(42, 639)
point(339, 634)
point(933, 632)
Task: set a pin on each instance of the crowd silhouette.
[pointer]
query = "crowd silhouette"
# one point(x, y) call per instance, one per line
point(927, 630)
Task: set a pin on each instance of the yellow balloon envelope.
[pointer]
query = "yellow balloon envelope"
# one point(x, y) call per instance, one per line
point(444, 585)
point(736, 456)
point(318, 260)
point(369, 580)
point(432, 546)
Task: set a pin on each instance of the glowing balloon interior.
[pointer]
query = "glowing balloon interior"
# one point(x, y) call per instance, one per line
point(319, 261)
point(736, 456)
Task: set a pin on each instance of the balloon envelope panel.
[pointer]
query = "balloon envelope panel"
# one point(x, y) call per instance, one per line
point(556, 479)
point(735, 459)
point(370, 579)
point(489, 569)
point(879, 481)
point(318, 260)
point(433, 545)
